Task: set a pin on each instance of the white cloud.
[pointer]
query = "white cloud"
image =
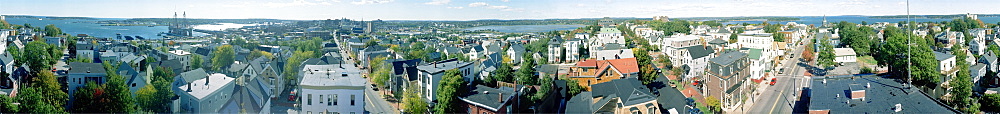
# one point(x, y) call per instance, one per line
point(505, 0)
point(499, 7)
point(459, 7)
point(438, 2)
point(363, 2)
point(477, 4)
point(853, 2)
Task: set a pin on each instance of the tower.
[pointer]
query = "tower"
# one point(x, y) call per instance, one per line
point(824, 21)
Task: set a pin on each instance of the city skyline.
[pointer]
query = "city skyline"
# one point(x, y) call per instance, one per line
point(482, 9)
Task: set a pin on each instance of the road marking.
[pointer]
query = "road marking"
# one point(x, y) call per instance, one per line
point(776, 102)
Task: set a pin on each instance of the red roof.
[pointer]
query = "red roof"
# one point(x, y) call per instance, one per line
point(624, 66)
point(587, 63)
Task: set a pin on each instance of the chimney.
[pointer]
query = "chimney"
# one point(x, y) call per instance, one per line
point(435, 64)
point(189, 87)
point(208, 78)
point(500, 97)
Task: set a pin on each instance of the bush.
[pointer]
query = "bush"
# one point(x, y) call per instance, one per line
point(866, 70)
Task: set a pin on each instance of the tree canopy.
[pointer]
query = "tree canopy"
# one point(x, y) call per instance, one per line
point(447, 92)
point(223, 55)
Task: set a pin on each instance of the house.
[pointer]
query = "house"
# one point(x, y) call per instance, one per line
point(758, 64)
point(134, 79)
point(727, 79)
point(268, 72)
point(950, 38)
point(613, 54)
point(946, 65)
point(516, 53)
point(593, 71)
point(252, 97)
point(432, 73)
point(58, 41)
point(555, 52)
point(977, 72)
point(990, 59)
point(337, 88)
point(79, 74)
point(403, 73)
point(619, 96)
point(867, 94)
point(609, 35)
point(372, 52)
point(845, 55)
point(487, 100)
point(572, 49)
point(694, 59)
point(205, 93)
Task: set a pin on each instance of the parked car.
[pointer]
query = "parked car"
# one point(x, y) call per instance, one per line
point(291, 96)
point(773, 80)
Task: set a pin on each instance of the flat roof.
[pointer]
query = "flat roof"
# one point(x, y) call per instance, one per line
point(844, 51)
point(441, 66)
point(200, 89)
point(331, 75)
point(880, 97)
point(728, 58)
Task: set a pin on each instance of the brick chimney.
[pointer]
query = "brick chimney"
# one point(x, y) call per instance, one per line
point(500, 97)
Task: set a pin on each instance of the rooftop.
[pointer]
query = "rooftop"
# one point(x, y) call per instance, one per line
point(441, 66)
point(883, 93)
point(942, 56)
point(331, 75)
point(78, 67)
point(610, 31)
point(728, 58)
point(844, 51)
point(487, 97)
point(205, 86)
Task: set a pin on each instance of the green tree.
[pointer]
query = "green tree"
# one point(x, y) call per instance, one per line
point(52, 30)
point(713, 104)
point(156, 97)
point(39, 54)
point(526, 74)
point(574, 87)
point(223, 56)
point(826, 56)
point(990, 103)
point(35, 101)
point(778, 37)
point(196, 61)
point(733, 38)
point(447, 92)
point(665, 60)
point(292, 65)
point(647, 73)
point(546, 84)
point(17, 54)
point(381, 72)
point(120, 97)
point(7, 104)
point(413, 103)
point(962, 84)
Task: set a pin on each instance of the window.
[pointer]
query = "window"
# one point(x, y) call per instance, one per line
point(320, 99)
point(328, 101)
point(310, 99)
point(352, 100)
point(334, 99)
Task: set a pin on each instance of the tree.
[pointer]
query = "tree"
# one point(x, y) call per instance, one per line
point(292, 65)
point(258, 53)
point(962, 84)
point(713, 104)
point(826, 56)
point(223, 56)
point(447, 92)
point(526, 74)
point(733, 38)
point(646, 71)
point(412, 102)
point(34, 101)
point(381, 72)
point(120, 97)
point(665, 60)
point(546, 84)
point(574, 86)
point(778, 37)
point(17, 54)
point(196, 61)
point(156, 96)
point(52, 30)
point(7, 104)
point(990, 103)
point(505, 73)
point(39, 54)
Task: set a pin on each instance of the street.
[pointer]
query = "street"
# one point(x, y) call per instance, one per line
point(782, 96)
point(374, 103)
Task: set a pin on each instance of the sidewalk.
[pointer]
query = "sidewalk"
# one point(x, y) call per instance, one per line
point(749, 101)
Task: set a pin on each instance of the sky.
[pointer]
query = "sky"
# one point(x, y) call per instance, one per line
point(484, 9)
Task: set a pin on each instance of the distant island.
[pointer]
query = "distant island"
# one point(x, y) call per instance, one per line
point(49, 17)
point(954, 16)
point(727, 19)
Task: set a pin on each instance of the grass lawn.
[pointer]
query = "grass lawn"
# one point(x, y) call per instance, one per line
point(867, 60)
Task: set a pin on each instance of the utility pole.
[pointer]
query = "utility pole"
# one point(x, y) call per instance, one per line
point(909, 53)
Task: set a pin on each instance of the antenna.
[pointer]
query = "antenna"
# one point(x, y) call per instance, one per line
point(909, 74)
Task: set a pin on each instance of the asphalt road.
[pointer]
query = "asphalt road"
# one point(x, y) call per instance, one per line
point(782, 96)
point(374, 103)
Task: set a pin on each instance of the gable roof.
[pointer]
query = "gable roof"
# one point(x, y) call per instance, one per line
point(78, 67)
point(623, 66)
point(942, 56)
point(191, 76)
point(699, 51)
point(487, 97)
point(629, 90)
